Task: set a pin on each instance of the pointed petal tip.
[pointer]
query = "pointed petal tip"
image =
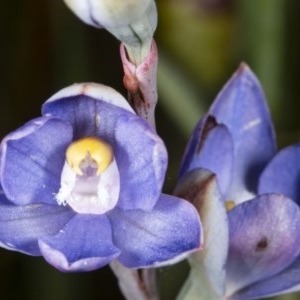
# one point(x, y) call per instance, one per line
point(243, 67)
point(244, 70)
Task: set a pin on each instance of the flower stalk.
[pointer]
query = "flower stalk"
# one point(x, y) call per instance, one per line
point(140, 82)
point(136, 284)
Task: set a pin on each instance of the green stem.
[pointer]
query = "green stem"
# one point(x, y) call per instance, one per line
point(178, 97)
point(263, 31)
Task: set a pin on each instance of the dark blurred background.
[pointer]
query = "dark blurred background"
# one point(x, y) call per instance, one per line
point(44, 48)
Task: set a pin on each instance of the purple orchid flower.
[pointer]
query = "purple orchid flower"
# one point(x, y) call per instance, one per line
point(247, 198)
point(81, 186)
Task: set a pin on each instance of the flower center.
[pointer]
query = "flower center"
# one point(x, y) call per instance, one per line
point(89, 153)
point(90, 180)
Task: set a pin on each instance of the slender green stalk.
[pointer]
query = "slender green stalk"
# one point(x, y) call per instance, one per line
point(178, 97)
point(263, 32)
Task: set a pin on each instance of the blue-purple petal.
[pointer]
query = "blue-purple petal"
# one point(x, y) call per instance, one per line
point(264, 239)
point(142, 161)
point(241, 107)
point(22, 226)
point(88, 116)
point(32, 159)
point(213, 151)
point(193, 143)
point(282, 175)
point(84, 244)
point(286, 281)
point(171, 230)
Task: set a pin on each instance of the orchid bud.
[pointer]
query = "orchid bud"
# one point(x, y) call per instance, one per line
point(133, 22)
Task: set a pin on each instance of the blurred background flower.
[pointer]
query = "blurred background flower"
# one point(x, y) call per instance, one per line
point(44, 47)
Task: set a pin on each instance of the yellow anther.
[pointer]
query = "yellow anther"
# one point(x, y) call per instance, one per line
point(94, 149)
point(229, 204)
